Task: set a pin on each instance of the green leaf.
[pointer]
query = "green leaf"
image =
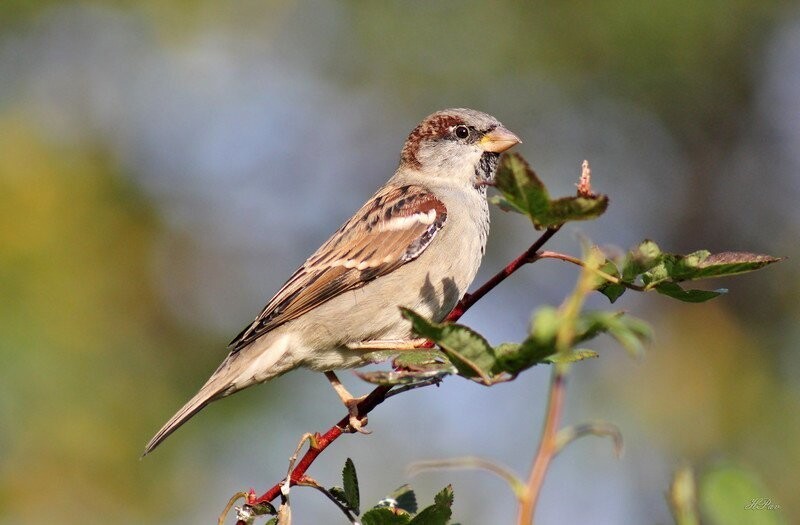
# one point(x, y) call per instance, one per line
point(521, 188)
point(731, 494)
point(273, 521)
point(263, 508)
point(513, 358)
point(628, 331)
point(469, 352)
point(611, 290)
point(502, 203)
point(568, 209)
point(689, 296)
point(405, 499)
point(338, 493)
point(444, 497)
point(524, 192)
point(350, 482)
point(641, 259)
point(384, 516)
point(421, 360)
point(439, 513)
point(577, 354)
point(403, 377)
point(730, 263)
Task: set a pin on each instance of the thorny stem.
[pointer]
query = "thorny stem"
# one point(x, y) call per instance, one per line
point(548, 446)
point(380, 393)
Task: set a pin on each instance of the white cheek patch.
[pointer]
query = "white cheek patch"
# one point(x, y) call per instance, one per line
point(403, 223)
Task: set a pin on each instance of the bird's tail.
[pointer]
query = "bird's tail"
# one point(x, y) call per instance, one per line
point(256, 363)
point(213, 389)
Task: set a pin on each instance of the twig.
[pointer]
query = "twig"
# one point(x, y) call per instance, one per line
point(574, 260)
point(310, 482)
point(381, 393)
point(528, 256)
point(236, 497)
point(470, 462)
point(547, 445)
point(412, 386)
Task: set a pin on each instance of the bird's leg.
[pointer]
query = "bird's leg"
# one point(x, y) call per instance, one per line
point(350, 402)
point(389, 344)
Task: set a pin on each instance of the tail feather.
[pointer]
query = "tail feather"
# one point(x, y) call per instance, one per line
point(211, 390)
point(254, 364)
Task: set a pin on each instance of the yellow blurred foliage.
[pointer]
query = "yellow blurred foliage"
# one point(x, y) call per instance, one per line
point(84, 340)
point(707, 391)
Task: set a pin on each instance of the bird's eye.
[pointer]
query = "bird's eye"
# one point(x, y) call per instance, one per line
point(462, 132)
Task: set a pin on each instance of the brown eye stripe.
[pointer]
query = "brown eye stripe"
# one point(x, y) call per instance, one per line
point(433, 127)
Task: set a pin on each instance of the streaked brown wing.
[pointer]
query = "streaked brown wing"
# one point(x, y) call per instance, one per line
point(393, 228)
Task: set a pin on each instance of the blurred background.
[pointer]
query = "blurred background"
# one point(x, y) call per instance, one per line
point(165, 165)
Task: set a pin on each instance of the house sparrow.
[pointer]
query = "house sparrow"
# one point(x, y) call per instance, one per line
point(416, 243)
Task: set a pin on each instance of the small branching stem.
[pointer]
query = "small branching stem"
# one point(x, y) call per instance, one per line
point(310, 482)
point(548, 445)
point(574, 260)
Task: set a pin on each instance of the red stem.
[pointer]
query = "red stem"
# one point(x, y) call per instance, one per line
point(526, 257)
point(378, 395)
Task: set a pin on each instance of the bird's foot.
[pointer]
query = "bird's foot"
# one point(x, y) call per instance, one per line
point(356, 424)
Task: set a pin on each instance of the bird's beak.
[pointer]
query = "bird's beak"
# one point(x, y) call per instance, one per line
point(499, 140)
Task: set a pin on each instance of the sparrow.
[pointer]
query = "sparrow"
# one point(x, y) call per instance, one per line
point(417, 243)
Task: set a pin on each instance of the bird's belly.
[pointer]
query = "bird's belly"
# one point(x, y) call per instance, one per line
point(439, 279)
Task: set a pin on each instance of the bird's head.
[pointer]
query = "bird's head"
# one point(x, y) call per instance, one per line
point(460, 144)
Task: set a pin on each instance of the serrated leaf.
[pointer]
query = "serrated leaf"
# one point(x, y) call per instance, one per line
point(524, 192)
point(384, 516)
point(640, 259)
point(731, 263)
point(350, 483)
point(659, 273)
point(521, 188)
point(338, 493)
point(420, 360)
point(513, 358)
point(612, 291)
point(689, 296)
point(578, 354)
point(444, 497)
point(469, 352)
point(403, 377)
point(263, 508)
point(568, 209)
point(439, 513)
point(502, 203)
point(405, 499)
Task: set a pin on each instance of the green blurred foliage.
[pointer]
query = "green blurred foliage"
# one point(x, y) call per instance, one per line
point(87, 357)
point(709, 390)
point(723, 488)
